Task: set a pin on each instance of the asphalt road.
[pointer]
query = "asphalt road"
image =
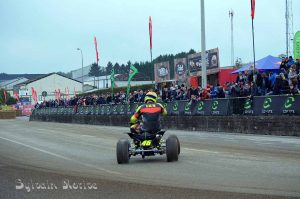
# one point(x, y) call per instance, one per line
point(211, 165)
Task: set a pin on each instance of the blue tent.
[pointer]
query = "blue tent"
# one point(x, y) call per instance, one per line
point(267, 63)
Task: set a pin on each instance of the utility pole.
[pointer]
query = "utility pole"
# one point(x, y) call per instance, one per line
point(81, 68)
point(289, 26)
point(232, 47)
point(203, 46)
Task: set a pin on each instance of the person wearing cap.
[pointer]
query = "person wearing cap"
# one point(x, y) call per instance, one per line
point(149, 113)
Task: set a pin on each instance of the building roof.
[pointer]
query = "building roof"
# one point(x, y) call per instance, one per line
point(9, 84)
point(4, 76)
point(41, 77)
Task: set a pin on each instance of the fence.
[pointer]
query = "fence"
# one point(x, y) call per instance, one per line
point(268, 105)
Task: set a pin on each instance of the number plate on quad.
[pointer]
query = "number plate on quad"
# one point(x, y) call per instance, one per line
point(146, 143)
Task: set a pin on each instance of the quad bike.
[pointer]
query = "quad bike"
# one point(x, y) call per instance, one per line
point(150, 145)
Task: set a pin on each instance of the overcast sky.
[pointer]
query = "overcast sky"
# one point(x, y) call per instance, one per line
point(41, 36)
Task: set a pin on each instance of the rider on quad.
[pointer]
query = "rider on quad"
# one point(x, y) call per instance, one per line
point(149, 112)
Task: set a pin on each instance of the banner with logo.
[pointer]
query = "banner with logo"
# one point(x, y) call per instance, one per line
point(291, 105)
point(267, 105)
point(177, 107)
point(189, 107)
point(248, 107)
point(122, 109)
point(195, 62)
point(180, 69)
point(270, 105)
point(114, 109)
point(220, 107)
point(201, 108)
point(162, 71)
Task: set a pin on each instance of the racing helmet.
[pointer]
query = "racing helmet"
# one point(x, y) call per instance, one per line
point(151, 96)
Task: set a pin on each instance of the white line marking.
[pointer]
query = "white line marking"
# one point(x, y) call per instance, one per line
point(201, 150)
point(60, 156)
point(92, 136)
point(37, 149)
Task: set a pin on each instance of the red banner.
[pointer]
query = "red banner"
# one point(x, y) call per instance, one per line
point(34, 95)
point(4, 96)
point(58, 94)
point(96, 47)
point(194, 81)
point(26, 109)
point(252, 8)
point(17, 96)
point(150, 31)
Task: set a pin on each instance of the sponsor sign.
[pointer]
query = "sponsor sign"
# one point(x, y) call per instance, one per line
point(248, 107)
point(162, 71)
point(291, 105)
point(195, 61)
point(180, 69)
point(269, 105)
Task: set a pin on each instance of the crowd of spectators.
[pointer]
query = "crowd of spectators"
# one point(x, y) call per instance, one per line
point(248, 84)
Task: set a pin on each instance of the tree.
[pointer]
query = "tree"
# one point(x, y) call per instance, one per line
point(117, 68)
point(109, 67)
point(9, 100)
point(192, 51)
point(238, 62)
point(94, 71)
point(282, 55)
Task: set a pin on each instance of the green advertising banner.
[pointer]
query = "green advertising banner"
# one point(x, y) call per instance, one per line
point(297, 45)
point(248, 107)
point(291, 105)
point(269, 105)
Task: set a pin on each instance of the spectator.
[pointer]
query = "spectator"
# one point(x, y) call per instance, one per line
point(240, 78)
point(141, 96)
point(292, 76)
point(290, 62)
point(297, 65)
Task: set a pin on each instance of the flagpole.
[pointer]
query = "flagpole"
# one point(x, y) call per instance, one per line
point(253, 43)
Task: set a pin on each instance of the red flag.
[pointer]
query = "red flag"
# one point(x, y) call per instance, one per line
point(17, 96)
point(58, 95)
point(150, 31)
point(34, 95)
point(4, 96)
point(96, 47)
point(55, 94)
point(252, 8)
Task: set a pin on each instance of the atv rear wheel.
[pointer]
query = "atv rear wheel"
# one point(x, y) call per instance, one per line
point(177, 142)
point(172, 149)
point(123, 151)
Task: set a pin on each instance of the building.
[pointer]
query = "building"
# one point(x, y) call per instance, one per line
point(8, 85)
point(81, 72)
point(49, 84)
